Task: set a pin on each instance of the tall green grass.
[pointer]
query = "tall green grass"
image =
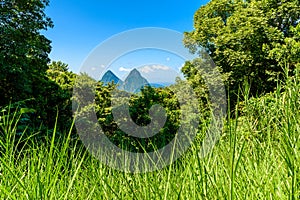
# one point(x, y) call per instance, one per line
point(257, 157)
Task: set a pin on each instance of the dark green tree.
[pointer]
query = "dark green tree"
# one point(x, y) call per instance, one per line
point(23, 50)
point(241, 38)
point(139, 107)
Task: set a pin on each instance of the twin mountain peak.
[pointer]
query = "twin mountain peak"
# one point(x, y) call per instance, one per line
point(133, 82)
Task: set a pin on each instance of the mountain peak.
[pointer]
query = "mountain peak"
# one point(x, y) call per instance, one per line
point(109, 72)
point(109, 77)
point(134, 71)
point(134, 81)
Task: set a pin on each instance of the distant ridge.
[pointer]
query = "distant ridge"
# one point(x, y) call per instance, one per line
point(160, 84)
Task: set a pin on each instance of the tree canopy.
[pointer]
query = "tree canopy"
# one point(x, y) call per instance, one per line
point(25, 73)
point(23, 49)
point(249, 41)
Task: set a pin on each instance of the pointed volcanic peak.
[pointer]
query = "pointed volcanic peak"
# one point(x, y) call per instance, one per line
point(110, 77)
point(134, 81)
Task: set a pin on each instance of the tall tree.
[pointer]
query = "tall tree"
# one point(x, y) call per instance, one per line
point(58, 94)
point(23, 49)
point(241, 37)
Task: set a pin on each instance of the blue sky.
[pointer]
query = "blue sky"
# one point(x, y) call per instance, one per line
point(79, 26)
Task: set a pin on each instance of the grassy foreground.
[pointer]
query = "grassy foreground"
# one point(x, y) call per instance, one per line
point(257, 157)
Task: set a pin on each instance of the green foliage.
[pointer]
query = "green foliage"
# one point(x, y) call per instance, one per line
point(257, 156)
point(272, 110)
point(24, 73)
point(93, 96)
point(15, 126)
point(23, 50)
point(239, 167)
point(60, 90)
point(247, 40)
point(287, 54)
point(139, 106)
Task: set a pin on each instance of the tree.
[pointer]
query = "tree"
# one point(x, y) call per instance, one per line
point(287, 54)
point(91, 96)
point(59, 73)
point(23, 50)
point(58, 95)
point(240, 36)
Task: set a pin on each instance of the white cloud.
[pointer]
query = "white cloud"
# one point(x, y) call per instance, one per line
point(146, 69)
point(160, 67)
point(123, 69)
point(158, 73)
point(152, 68)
